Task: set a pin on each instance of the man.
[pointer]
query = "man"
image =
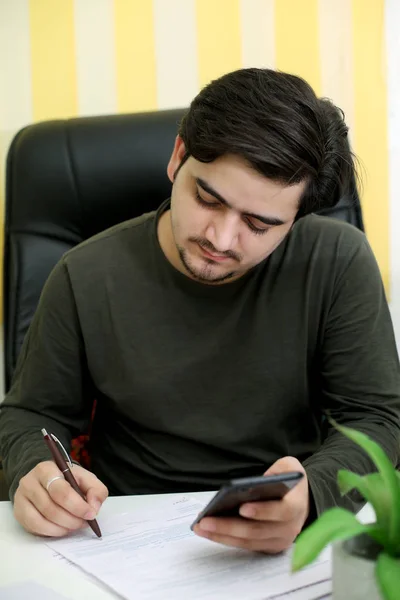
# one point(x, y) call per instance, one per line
point(215, 334)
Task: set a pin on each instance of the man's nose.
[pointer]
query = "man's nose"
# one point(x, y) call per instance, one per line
point(222, 232)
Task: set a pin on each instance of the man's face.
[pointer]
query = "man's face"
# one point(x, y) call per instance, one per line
point(225, 216)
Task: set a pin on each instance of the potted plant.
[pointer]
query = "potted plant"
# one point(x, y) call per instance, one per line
point(366, 557)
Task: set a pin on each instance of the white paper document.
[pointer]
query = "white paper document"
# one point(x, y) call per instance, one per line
point(316, 591)
point(154, 555)
point(28, 590)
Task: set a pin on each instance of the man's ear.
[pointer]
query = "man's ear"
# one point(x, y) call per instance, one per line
point(177, 156)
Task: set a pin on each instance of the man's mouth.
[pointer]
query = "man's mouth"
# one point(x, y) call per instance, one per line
point(215, 257)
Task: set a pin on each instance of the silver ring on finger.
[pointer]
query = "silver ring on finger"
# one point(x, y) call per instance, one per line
point(50, 481)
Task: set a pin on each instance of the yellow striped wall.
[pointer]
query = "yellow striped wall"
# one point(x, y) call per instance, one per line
point(63, 58)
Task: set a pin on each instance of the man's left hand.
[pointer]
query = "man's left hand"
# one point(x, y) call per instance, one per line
point(270, 526)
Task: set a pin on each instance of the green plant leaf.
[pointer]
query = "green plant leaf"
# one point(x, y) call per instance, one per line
point(334, 524)
point(373, 476)
point(388, 576)
point(389, 477)
point(373, 489)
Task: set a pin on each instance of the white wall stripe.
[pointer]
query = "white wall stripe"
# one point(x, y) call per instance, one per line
point(95, 54)
point(335, 39)
point(258, 33)
point(15, 69)
point(176, 52)
point(15, 82)
point(392, 26)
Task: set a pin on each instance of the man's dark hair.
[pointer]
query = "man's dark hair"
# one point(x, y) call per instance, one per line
point(276, 122)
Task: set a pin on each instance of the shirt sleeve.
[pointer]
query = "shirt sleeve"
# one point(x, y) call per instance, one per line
point(51, 387)
point(360, 379)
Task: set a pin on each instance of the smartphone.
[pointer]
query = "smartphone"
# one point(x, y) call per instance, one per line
point(234, 493)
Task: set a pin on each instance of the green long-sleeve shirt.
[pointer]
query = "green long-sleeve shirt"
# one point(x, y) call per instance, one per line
point(198, 383)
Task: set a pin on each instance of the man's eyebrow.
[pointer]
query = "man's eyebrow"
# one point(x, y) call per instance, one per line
point(275, 221)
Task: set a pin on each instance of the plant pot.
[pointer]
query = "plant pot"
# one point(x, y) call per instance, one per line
point(353, 575)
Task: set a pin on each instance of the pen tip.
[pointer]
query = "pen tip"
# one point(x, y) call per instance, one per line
point(44, 432)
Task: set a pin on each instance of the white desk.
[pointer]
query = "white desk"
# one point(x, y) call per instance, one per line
point(25, 557)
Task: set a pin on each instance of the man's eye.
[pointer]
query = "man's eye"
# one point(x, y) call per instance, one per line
point(206, 203)
point(257, 230)
point(213, 205)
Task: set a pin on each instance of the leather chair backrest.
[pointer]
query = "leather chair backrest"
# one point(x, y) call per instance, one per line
point(67, 180)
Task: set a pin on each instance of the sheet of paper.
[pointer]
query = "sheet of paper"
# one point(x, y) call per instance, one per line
point(317, 591)
point(153, 555)
point(28, 590)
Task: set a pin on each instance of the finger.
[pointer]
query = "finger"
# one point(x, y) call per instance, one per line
point(285, 465)
point(65, 496)
point(271, 546)
point(33, 521)
point(272, 510)
point(242, 528)
point(49, 509)
point(61, 493)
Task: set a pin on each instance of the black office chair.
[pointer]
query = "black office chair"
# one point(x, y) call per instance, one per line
point(67, 180)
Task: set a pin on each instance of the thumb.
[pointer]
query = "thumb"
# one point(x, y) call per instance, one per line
point(94, 490)
point(94, 499)
point(285, 465)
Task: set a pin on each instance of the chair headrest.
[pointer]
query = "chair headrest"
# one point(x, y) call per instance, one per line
point(74, 178)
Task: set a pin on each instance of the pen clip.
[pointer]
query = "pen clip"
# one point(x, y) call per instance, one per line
point(70, 464)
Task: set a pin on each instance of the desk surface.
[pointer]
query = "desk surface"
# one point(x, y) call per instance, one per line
point(26, 557)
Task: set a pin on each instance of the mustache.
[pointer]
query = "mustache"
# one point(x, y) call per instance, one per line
point(207, 245)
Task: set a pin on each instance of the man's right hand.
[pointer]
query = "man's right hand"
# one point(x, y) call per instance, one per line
point(58, 510)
